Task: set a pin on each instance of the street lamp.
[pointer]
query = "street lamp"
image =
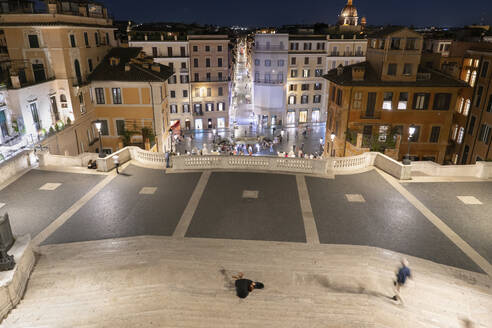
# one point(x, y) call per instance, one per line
point(332, 137)
point(98, 125)
point(411, 131)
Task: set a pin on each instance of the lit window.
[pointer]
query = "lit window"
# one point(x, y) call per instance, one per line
point(403, 101)
point(455, 132)
point(292, 100)
point(461, 103)
point(460, 135)
point(305, 73)
point(468, 74)
point(358, 100)
point(466, 109)
point(455, 159)
point(383, 132)
point(473, 79)
point(388, 100)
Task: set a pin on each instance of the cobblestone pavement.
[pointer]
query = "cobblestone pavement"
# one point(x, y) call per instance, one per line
point(361, 209)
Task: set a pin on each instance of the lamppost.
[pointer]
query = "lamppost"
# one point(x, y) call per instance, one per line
point(171, 136)
point(98, 125)
point(332, 137)
point(411, 131)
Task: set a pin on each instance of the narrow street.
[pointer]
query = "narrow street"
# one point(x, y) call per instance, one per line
point(242, 107)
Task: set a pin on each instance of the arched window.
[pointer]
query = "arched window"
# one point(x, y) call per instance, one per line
point(63, 98)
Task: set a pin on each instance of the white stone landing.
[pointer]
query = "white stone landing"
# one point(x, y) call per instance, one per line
point(166, 282)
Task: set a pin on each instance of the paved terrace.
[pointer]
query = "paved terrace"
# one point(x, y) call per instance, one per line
point(297, 233)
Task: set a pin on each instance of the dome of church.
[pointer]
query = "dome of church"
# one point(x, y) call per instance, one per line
point(349, 10)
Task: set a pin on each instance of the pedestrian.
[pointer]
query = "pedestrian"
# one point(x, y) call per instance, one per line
point(167, 156)
point(116, 161)
point(401, 277)
point(245, 286)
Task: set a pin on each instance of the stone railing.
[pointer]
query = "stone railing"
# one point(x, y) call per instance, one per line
point(106, 164)
point(16, 164)
point(347, 164)
point(45, 158)
point(482, 170)
point(148, 157)
point(260, 163)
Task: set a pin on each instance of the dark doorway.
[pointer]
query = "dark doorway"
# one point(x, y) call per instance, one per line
point(54, 108)
point(77, 71)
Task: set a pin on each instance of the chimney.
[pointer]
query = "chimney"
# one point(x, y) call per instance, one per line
point(339, 70)
point(156, 67)
point(127, 67)
point(358, 73)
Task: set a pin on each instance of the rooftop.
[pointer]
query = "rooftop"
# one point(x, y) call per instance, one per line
point(141, 67)
point(431, 78)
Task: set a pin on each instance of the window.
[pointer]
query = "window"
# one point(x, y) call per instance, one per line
point(171, 66)
point(219, 48)
point(471, 127)
point(320, 60)
point(305, 73)
point(395, 43)
point(466, 109)
point(303, 115)
point(441, 101)
point(455, 132)
point(461, 133)
point(294, 46)
point(460, 104)
point(280, 77)
point(33, 41)
point(89, 61)
point(485, 67)
point(195, 48)
point(86, 39)
point(173, 108)
point(195, 62)
point(478, 96)
point(318, 72)
point(280, 63)
point(172, 80)
point(318, 86)
point(116, 95)
point(339, 97)
point(196, 77)
point(257, 76)
point(268, 63)
point(383, 133)
point(220, 91)
point(307, 46)
point(416, 134)
point(72, 41)
point(208, 77)
point(473, 78)
point(293, 73)
point(388, 100)
point(120, 127)
point(207, 48)
point(198, 109)
point(107, 39)
point(403, 100)
point(391, 69)
point(183, 79)
point(183, 65)
point(221, 106)
point(207, 62)
point(293, 87)
point(172, 93)
point(484, 133)
point(316, 99)
point(39, 74)
point(293, 61)
point(186, 108)
point(104, 127)
point(357, 100)
point(306, 60)
point(219, 62)
point(100, 95)
point(209, 92)
point(489, 106)
point(96, 37)
point(209, 107)
point(35, 115)
point(292, 100)
point(304, 99)
point(185, 93)
point(257, 62)
point(434, 137)
point(304, 87)
point(407, 69)
point(420, 101)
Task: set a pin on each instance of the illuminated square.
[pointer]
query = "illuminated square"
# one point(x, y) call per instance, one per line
point(148, 190)
point(253, 194)
point(355, 198)
point(469, 200)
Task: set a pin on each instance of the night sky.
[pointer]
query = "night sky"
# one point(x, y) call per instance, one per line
point(279, 12)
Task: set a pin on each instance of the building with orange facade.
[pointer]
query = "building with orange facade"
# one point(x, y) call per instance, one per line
point(390, 92)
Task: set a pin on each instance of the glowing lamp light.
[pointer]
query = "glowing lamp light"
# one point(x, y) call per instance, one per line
point(98, 126)
point(411, 131)
point(332, 137)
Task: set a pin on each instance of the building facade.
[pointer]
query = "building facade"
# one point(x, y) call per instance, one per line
point(389, 93)
point(129, 97)
point(50, 55)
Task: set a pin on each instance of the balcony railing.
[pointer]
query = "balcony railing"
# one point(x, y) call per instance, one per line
point(346, 54)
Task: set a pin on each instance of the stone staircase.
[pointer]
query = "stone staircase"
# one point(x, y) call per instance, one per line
point(164, 282)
